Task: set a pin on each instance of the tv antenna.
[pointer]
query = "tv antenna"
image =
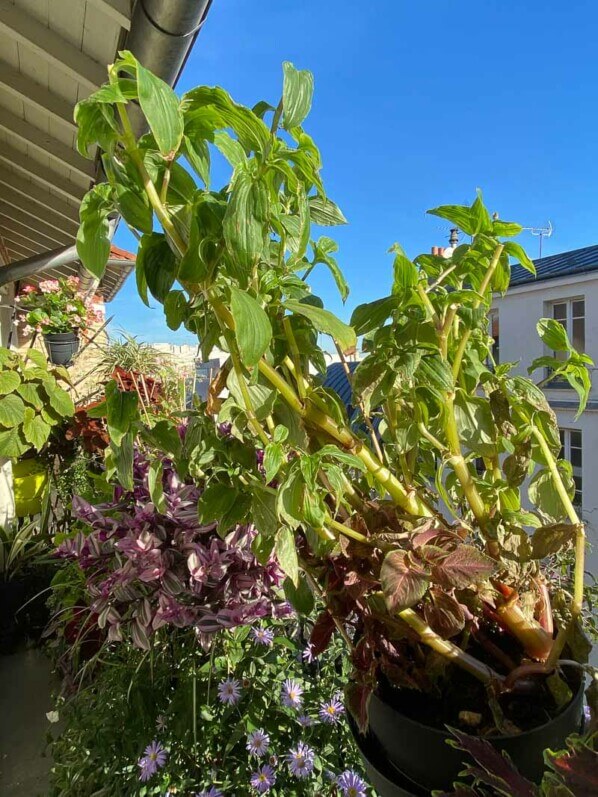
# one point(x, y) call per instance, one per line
point(541, 233)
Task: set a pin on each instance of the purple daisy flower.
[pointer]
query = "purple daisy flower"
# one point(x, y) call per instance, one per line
point(301, 760)
point(211, 792)
point(351, 785)
point(332, 711)
point(258, 743)
point(305, 720)
point(263, 636)
point(263, 779)
point(308, 654)
point(161, 722)
point(154, 757)
point(229, 691)
point(291, 694)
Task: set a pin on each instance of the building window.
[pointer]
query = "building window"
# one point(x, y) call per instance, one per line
point(494, 332)
point(571, 314)
point(571, 450)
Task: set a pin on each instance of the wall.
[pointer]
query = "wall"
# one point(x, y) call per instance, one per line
point(519, 311)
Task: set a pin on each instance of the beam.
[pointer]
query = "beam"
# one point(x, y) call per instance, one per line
point(19, 85)
point(50, 46)
point(46, 144)
point(32, 249)
point(40, 173)
point(58, 236)
point(118, 10)
point(41, 195)
point(40, 212)
point(12, 227)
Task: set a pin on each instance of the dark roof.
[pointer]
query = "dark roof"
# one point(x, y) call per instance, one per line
point(579, 261)
point(336, 379)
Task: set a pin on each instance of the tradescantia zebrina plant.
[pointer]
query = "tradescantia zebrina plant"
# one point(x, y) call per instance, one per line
point(409, 519)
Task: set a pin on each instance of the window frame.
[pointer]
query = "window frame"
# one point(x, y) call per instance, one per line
point(565, 453)
point(568, 301)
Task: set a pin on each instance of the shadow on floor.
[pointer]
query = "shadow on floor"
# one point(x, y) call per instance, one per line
point(25, 696)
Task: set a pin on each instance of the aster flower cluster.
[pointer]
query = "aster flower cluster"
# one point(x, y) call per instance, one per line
point(153, 759)
point(147, 568)
point(57, 306)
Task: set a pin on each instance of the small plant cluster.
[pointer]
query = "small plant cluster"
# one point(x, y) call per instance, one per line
point(149, 562)
point(56, 306)
point(32, 402)
point(255, 715)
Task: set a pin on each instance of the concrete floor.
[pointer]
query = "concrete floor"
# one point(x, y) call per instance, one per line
point(25, 697)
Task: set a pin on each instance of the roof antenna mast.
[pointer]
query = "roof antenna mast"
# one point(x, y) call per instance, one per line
point(541, 233)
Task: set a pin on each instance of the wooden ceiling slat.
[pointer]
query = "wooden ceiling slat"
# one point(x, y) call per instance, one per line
point(59, 236)
point(40, 173)
point(26, 232)
point(118, 10)
point(44, 41)
point(40, 195)
point(37, 211)
point(36, 95)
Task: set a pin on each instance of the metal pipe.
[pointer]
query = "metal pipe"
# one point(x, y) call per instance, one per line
point(163, 32)
point(53, 259)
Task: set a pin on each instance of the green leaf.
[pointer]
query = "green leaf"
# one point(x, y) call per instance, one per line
point(286, 554)
point(273, 459)
point(176, 308)
point(405, 274)
point(553, 334)
point(300, 597)
point(505, 229)
point(518, 252)
point(252, 326)
point(372, 315)
point(31, 394)
point(93, 235)
point(162, 110)
point(230, 148)
point(436, 372)
point(156, 488)
point(403, 586)
point(297, 93)
point(325, 212)
point(263, 512)
point(12, 411)
point(12, 442)
point(156, 260)
point(165, 437)
point(262, 397)
point(35, 429)
point(198, 155)
point(9, 382)
point(322, 254)
point(324, 321)
point(548, 540)
point(480, 216)
point(122, 458)
point(95, 124)
point(342, 456)
point(121, 411)
point(543, 495)
point(134, 206)
point(460, 215)
point(245, 224)
point(215, 501)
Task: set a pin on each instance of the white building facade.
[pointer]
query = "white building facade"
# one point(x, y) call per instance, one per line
point(566, 289)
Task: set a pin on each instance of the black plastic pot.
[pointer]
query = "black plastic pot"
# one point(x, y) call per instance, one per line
point(387, 781)
point(62, 347)
point(422, 754)
point(12, 597)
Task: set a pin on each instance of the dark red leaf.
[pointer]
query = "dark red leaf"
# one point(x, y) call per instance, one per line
point(321, 633)
point(357, 700)
point(403, 586)
point(495, 769)
point(464, 566)
point(460, 790)
point(444, 614)
point(578, 770)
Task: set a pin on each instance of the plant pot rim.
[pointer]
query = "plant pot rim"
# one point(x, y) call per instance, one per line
point(498, 737)
point(73, 332)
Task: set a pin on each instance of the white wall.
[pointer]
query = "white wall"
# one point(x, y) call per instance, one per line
point(518, 312)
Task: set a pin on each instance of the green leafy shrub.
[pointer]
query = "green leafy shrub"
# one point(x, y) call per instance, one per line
point(32, 402)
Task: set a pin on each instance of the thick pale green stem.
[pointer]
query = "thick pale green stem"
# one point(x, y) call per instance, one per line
point(580, 550)
point(296, 356)
point(448, 649)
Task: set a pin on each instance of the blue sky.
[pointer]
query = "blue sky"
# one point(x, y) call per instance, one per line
point(416, 104)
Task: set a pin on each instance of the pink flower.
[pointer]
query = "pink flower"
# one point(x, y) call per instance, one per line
point(27, 329)
point(73, 282)
point(70, 308)
point(49, 286)
point(29, 289)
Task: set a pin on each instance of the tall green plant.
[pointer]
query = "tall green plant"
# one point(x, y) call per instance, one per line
point(390, 520)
